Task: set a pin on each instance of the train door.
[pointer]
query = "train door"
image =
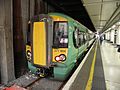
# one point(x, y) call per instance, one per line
point(42, 41)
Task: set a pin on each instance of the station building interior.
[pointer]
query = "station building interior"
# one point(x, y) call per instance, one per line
point(98, 67)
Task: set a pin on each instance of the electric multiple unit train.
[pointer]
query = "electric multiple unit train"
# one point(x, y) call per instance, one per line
point(55, 43)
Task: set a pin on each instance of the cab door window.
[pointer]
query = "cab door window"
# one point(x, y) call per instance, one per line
point(60, 34)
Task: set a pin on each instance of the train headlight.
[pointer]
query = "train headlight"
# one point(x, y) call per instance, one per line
point(60, 58)
point(57, 58)
point(29, 55)
point(64, 40)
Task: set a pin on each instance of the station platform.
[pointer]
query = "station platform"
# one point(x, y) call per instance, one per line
point(99, 70)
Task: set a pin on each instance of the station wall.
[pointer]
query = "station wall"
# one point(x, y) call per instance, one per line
point(14, 17)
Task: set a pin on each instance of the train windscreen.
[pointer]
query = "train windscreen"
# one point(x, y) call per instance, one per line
point(60, 34)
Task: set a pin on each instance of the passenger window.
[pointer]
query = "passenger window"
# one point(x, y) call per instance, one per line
point(84, 37)
point(76, 38)
point(87, 36)
point(81, 37)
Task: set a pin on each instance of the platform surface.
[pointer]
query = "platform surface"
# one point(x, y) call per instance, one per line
point(111, 65)
point(90, 76)
point(107, 67)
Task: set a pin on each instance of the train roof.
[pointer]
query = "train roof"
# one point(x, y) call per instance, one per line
point(68, 18)
point(61, 15)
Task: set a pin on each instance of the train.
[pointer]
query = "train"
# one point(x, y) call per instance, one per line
point(55, 43)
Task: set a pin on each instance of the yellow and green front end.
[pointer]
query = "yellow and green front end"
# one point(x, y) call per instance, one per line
point(49, 46)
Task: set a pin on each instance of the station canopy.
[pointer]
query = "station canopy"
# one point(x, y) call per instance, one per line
point(103, 13)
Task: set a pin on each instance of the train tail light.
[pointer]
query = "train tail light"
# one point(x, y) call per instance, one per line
point(60, 58)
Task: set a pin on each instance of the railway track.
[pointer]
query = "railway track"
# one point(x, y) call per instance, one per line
point(45, 84)
point(32, 83)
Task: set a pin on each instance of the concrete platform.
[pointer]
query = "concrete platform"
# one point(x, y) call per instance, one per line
point(100, 69)
point(90, 74)
point(111, 63)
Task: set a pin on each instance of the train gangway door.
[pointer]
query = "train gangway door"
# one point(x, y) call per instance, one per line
point(39, 44)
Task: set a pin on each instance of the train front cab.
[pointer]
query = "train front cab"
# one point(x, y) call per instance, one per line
point(49, 45)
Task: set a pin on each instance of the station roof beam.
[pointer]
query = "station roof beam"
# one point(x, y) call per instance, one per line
point(103, 13)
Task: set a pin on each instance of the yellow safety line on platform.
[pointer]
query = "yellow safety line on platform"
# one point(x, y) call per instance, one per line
point(89, 83)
